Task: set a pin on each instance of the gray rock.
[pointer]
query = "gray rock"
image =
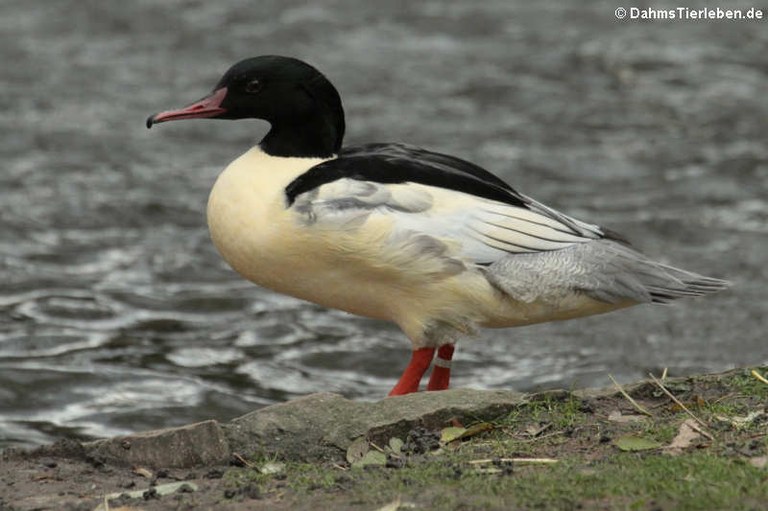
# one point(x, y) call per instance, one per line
point(322, 426)
point(317, 427)
point(197, 444)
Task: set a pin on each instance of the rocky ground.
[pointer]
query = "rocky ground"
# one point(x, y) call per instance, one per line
point(688, 443)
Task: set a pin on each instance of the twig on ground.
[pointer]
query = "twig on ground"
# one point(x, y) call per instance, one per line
point(513, 460)
point(240, 459)
point(640, 408)
point(536, 439)
point(726, 397)
point(373, 444)
point(679, 403)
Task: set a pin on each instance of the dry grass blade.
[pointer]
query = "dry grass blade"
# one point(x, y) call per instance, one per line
point(397, 505)
point(143, 472)
point(702, 431)
point(640, 408)
point(513, 460)
point(377, 447)
point(759, 376)
point(527, 439)
point(679, 403)
point(241, 460)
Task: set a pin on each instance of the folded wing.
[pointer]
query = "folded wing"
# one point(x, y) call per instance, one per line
point(429, 195)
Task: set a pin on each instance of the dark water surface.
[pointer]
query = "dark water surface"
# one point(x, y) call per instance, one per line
point(116, 314)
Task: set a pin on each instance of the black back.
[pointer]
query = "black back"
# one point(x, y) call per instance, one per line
point(400, 163)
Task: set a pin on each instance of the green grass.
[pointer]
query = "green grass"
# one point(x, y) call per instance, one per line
point(748, 385)
point(627, 480)
point(591, 473)
point(562, 410)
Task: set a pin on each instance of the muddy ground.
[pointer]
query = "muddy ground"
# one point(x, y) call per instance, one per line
point(690, 443)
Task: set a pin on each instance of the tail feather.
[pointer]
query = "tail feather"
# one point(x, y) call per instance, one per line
point(681, 283)
point(654, 282)
point(604, 269)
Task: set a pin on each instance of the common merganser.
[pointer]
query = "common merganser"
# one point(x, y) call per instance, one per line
point(431, 242)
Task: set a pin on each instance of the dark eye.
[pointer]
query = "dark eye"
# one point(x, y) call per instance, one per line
point(253, 86)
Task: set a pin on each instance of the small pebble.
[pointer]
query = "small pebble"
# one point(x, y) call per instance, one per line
point(49, 463)
point(215, 473)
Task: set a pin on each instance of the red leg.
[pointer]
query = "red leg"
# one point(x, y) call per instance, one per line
point(409, 381)
point(441, 372)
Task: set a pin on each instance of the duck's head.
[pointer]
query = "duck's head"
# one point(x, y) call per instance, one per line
point(300, 103)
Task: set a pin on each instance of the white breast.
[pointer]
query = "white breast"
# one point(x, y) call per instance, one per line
point(248, 220)
point(270, 245)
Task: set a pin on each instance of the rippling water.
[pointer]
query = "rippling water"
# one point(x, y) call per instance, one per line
point(116, 314)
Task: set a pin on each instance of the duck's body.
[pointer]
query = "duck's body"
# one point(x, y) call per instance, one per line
point(387, 231)
point(362, 259)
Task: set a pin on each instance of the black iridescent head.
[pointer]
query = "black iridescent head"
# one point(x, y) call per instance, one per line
point(302, 106)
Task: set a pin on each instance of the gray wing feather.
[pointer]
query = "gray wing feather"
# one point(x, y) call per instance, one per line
point(602, 269)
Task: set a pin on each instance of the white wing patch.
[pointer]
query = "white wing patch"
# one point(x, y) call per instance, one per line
point(348, 202)
point(473, 229)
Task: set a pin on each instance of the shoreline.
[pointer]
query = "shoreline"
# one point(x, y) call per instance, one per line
point(325, 448)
